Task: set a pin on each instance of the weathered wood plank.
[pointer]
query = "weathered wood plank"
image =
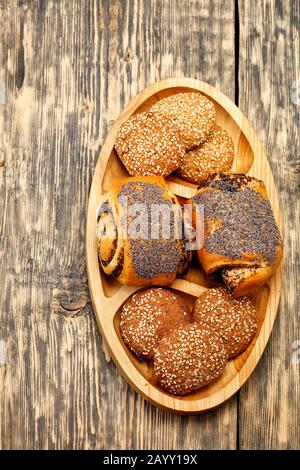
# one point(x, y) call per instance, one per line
point(69, 68)
point(269, 412)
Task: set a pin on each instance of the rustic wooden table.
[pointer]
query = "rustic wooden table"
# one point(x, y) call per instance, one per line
point(66, 71)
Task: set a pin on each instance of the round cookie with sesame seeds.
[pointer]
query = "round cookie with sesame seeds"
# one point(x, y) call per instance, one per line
point(193, 114)
point(234, 319)
point(150, 314)
point(215, 155)
point(189, 358)
point(149, 144)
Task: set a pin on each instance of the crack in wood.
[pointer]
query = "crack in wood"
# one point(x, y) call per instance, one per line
point(236, 51)
point(20, 62)
point(236, 100)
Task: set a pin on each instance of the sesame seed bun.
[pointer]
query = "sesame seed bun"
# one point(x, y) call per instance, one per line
point(149, 144)
point(213, 156)
point(193, 114)
point(234, 319)
point(148, 316)
point(189, 358)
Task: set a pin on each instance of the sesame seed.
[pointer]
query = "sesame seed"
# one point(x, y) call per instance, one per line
point(214, 155)
point(193, 114)
point(189, 358)
point(148, 315)
point(234, 319)
point(149, 144)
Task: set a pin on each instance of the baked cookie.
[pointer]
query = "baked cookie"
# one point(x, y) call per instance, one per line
point(148, 316)
point(149, 144)
point(213, 156)
point(189, 358)
point(193, 114)
point(234, 319)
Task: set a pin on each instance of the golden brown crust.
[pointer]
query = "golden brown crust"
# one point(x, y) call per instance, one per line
point(189, 358)
point(145, 261)
point(242, 243)
point(149, 144)
point(148, 316)
point(242, 281)
point(214, 155)
point(233, 319)
point(193, 114)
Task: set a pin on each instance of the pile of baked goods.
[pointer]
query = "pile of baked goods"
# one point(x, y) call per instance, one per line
point(188, 345)
point(179, 133)
point(189, 349)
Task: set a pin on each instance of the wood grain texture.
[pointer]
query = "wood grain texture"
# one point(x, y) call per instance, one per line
point(269, 412)
point(69, 68)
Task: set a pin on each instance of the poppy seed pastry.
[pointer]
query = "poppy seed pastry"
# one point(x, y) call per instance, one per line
point(149, 315)
point(215, 155)
point(234, 319)
point(242, 244)
point(139, 228)
point(189, 358)
point(193, 114)
point(149, 144)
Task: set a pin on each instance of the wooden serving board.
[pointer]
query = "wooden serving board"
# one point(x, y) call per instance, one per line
point(108, 295)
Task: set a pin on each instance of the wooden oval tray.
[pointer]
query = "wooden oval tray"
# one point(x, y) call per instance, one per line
point(108, 295)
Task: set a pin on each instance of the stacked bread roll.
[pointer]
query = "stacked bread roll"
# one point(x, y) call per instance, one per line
point(178, 133)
